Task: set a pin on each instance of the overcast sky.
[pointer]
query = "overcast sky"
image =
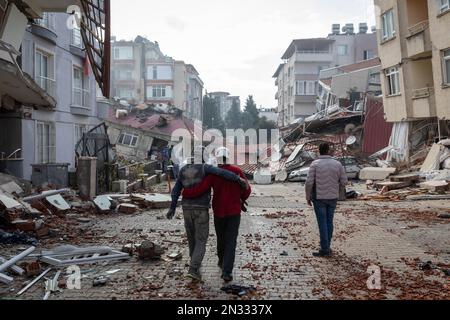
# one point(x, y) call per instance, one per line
point(236, 45)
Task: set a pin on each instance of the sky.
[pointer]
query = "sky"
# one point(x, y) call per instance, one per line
point(236, 45)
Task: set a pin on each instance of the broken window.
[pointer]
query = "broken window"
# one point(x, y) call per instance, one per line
point(128, 139)
point(388, 29)
point(45, 143)
point(446, 64)
point(393, 81)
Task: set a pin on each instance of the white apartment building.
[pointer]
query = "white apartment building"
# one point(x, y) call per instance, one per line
point(297, 77)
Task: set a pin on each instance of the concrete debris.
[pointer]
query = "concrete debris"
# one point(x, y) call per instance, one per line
point(432, 162)
point(11, 188)
point(14, 268)
point(127, 208)
point(103, 203)
point(436, 186)
point(6, 279)
point(16, 259)
point(373, 173)
point(58, 202)
point(51, 286)
point(149, 251)
point(8, 203)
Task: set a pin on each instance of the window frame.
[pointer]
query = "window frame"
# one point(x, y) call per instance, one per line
point(133, 139)
point(387, 20)
point(444, 6)
point(393, 81)
point(45, 150)
point(340, 52)
point(445, 61)
point(84, 89)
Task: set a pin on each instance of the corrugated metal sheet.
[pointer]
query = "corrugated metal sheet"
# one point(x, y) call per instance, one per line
point(377, 131)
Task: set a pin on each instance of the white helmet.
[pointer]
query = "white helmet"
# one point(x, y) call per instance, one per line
point(223, 153)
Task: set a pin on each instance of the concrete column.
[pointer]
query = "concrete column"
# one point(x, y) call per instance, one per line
point(87, 177)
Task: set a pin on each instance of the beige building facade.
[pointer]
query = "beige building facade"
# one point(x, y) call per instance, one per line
point(414, 47)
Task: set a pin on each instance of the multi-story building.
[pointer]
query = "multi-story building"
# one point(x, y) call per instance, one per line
point(53, 56)
point(414, 47)
point(297, 77)
point(225, 102)
point(189, 97)
point(143, 74)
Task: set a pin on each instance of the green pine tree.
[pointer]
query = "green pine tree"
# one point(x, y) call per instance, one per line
point(211, 114)
point(234, 117)
point(250, 117)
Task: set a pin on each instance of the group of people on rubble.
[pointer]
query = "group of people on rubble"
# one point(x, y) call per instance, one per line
point(231, 188)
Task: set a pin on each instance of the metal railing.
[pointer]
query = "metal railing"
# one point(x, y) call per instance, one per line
point(313, 52)
point(423, 92)
point(419, 27)
point(47, 84)
point(80, 97)
point(47, 21)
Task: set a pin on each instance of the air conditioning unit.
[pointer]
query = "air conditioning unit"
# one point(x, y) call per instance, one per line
point(363, 28)
point(348, 28)
point(336, 29)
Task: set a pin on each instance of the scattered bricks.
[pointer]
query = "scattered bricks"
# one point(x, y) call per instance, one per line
point(149, 251)
point(39, 205)
point(127, 208)
point(33, 269)
point(24, 225)
point(42, 232)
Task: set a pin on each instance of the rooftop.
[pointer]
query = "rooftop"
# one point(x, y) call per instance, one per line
point(305, 44)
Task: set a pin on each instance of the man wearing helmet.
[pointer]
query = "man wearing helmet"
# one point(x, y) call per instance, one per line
point(227, 205)
point(196, 209)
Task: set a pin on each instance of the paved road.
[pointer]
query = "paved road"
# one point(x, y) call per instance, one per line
point(277, 238)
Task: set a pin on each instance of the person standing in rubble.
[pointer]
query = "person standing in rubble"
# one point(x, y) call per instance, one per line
point(325, 178)
point(196, 210)
point(228, 203)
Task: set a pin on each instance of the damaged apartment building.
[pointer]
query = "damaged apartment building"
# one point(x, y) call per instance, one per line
point(49, 77)
point(297, 78)
point(414, 47)
point(142, 74)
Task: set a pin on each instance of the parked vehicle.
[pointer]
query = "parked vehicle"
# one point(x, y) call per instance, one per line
point(351, 165)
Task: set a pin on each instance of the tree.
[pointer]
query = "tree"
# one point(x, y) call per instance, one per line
point(211, 114)
point(250, 117)
point(234, 117)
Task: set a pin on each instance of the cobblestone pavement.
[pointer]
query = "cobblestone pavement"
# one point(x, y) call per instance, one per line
point(277, 237)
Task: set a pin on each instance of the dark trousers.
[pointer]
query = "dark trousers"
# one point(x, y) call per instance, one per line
point(196, 222)
point(325, 215)
point(227, 230)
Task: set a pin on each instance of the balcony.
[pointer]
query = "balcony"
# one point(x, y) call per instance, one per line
point(314, 56)
point(45, 27)
point(76, 44)
point(423, 103)
point(47, 84)
point(418, 41)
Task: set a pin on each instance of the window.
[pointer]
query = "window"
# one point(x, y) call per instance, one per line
point(446, 64)
point(79, 130)
point(368, 54)
point(125, 93)
point(76, 38)
point(44, 71)
point(123, 74)
point(306, 88)
point(342, 50)
point(45, 143)
point(445, 5)
point(80, 88)
point(123, 53)
point(388, 29)
point(159, 91)
point(128, 139)
point(155, 72)
point(393, 81)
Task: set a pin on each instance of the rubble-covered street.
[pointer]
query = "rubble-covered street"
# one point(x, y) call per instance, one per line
point(408, 240)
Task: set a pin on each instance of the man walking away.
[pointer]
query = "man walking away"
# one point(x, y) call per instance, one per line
point(227, 205)
point(325, 178)
point(196, 210)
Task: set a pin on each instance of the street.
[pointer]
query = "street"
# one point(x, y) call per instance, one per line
point(277, 238)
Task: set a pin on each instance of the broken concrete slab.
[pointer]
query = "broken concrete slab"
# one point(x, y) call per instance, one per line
point(373, 173)
point(11, 188)
point(58, 202)
point(103, 203)
point(432, 162)
point(24, 225)
point(127, 208)
point(408, 177)
point(9, 203)
point(153, 200)
point(436, 186)
point(389, 185)
point(149, 251)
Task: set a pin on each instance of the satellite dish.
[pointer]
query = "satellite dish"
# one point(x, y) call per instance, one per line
point(350, 140)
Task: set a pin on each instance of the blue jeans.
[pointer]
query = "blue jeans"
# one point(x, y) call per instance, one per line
point(325, 215)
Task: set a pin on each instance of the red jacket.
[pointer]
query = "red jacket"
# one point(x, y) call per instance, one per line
point(227, 195)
